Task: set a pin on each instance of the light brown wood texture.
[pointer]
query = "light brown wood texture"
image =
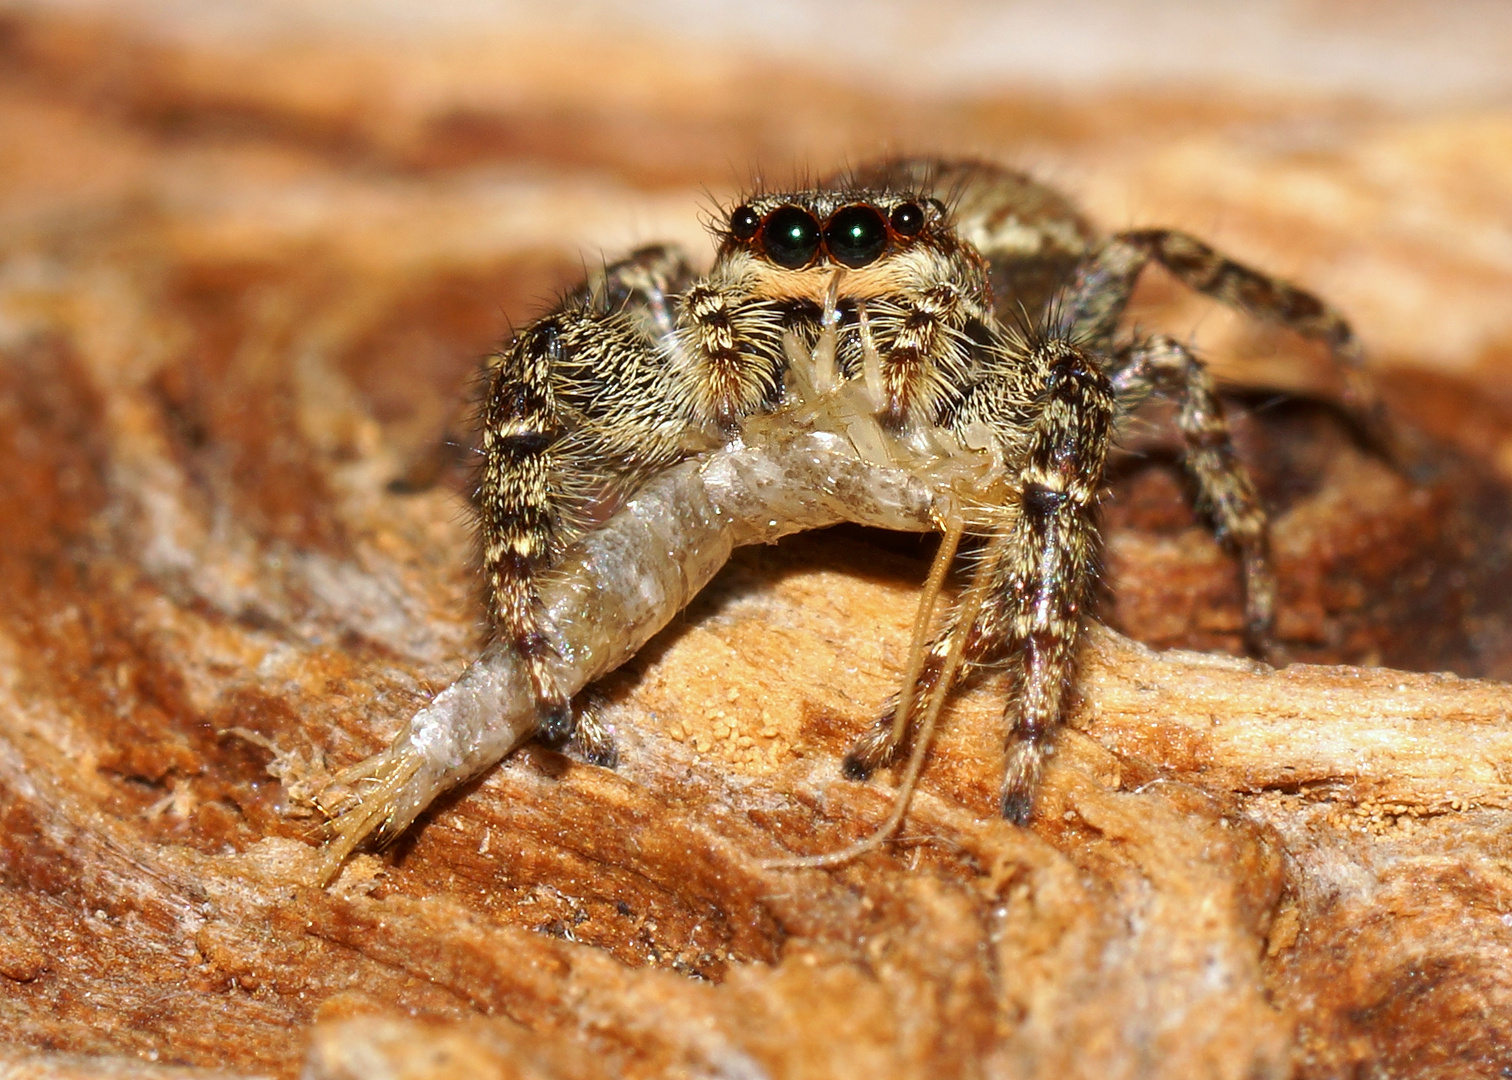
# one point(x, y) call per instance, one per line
point(242, 283)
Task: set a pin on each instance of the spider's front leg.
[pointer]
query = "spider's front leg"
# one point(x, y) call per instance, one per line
point(1055, 409)
point(518, 512)
point(579, 408)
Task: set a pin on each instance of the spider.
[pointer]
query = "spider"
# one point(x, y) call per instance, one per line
point(968, 299)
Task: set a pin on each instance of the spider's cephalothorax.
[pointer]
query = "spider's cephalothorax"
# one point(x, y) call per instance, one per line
point(914, 272)
point(890, 254)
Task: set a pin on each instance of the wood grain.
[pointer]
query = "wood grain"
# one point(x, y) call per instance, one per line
point(241, 285)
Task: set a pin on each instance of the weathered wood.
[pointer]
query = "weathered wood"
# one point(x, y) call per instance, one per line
point(240, 288)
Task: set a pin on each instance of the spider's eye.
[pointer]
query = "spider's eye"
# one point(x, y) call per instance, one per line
point(744, 222)
point(856, 235)
point(791, 237)
point(907, 219)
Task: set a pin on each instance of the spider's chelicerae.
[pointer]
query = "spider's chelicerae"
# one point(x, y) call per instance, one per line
point(969, 300)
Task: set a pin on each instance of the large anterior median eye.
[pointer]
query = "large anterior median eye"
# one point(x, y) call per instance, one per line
point(856, 235)
point(790, 237)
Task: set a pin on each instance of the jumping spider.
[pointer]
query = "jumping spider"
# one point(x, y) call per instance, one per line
point(970, 300)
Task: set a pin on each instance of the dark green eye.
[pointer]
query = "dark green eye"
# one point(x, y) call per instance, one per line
point(856, 235)
point(790, 237)
point(907, 219)
point(744, 222)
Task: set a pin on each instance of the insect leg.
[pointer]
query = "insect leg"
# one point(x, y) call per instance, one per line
point(889, 733)
point(1162, 365)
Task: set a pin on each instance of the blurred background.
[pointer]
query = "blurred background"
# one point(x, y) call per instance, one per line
point(1324, 138)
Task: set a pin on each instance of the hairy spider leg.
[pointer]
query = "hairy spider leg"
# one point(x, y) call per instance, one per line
point(1103, 283)
point(1161, 365)
point(521, 423)
point(729, 353)
point(1038, 575)
point(556, 448)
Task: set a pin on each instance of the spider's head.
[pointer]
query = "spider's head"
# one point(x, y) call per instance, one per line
point(881, 242)
point(855, 229)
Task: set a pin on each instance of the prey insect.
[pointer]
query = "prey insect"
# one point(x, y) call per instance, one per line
point(955, 330)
